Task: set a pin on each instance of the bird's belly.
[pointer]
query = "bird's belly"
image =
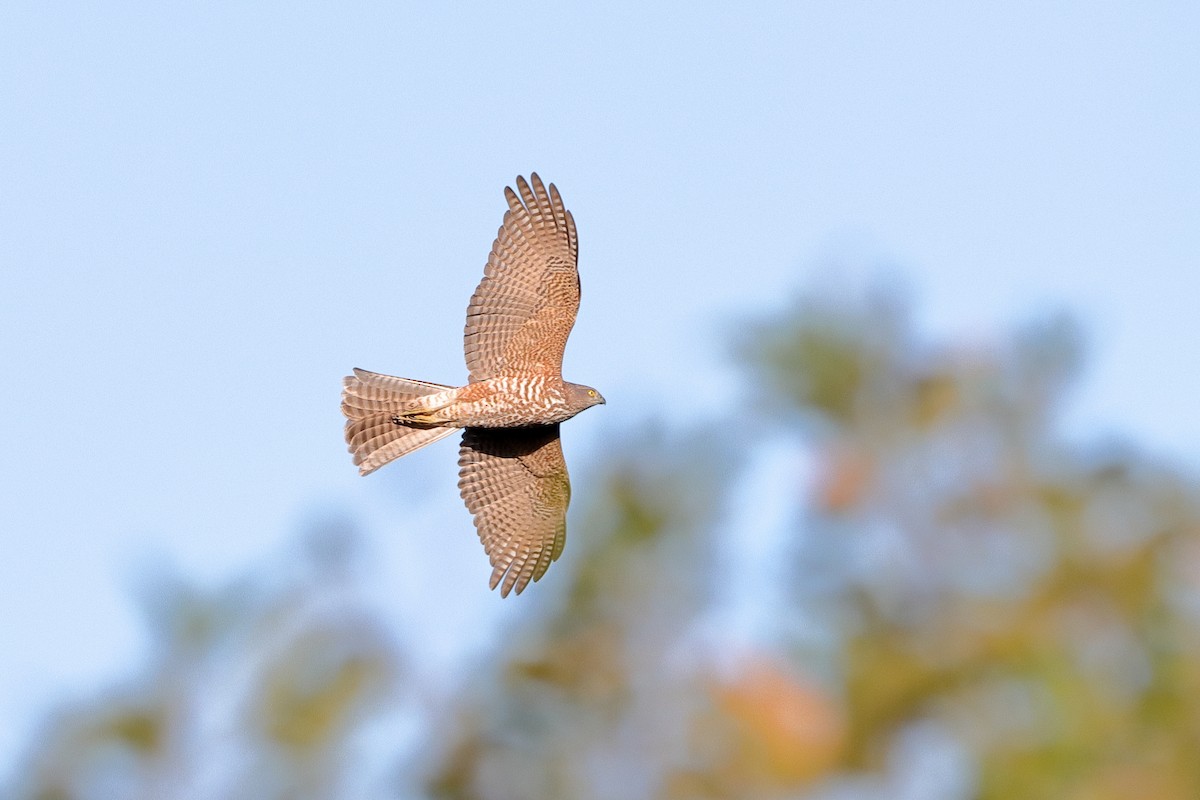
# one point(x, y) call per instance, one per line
point(516, 407)
point(508, 416)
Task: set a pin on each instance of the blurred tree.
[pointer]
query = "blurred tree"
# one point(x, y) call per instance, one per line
point(1006, 614)
point(1032, 599)
point(255, 690)
point(965, 605)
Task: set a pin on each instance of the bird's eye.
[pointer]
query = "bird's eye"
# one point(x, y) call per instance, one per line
point(591, 392)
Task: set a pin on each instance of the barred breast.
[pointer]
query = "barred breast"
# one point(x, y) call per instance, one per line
point(510, 402)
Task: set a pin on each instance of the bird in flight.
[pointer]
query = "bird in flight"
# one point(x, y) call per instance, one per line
point(512, 475)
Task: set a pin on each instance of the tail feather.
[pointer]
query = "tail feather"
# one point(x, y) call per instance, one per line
point(369, 401)
point(399, 441)
point(365, 393)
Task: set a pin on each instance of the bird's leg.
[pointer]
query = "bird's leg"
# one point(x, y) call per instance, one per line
point(416, 419)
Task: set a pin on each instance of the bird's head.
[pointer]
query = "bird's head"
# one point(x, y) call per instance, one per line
point(582, 397)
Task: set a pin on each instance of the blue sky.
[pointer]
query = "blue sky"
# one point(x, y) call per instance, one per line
point(210, 212)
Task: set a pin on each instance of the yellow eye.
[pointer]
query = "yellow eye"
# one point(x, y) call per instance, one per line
point(591, 392)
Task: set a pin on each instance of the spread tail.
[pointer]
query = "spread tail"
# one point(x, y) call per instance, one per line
point(369, 401)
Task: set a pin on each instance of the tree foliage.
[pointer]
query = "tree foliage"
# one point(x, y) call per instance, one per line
point(965, 604)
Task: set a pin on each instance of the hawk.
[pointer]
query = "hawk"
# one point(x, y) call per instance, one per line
point(512, 475)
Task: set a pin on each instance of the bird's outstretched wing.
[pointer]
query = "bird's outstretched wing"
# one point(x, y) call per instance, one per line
point(514, 482)
point(523, 310)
